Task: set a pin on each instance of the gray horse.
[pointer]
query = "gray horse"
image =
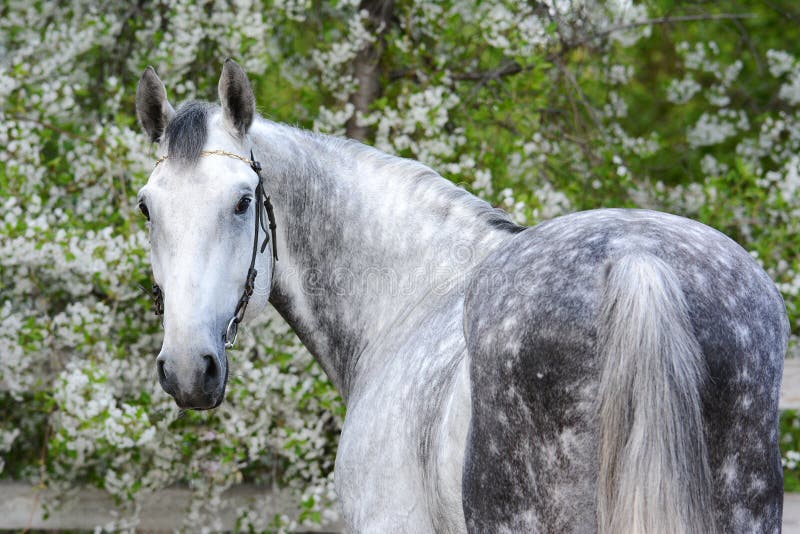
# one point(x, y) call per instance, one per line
point(610, 370)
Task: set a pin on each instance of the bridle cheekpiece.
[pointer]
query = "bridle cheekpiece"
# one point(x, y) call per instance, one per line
point(262, 204)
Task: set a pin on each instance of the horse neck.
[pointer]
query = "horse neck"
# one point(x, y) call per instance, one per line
point(364, 238)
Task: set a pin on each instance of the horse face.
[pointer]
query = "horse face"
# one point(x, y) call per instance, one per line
point(201, 212)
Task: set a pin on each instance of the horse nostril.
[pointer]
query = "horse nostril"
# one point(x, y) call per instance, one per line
point(162, 375)
point(166, 384)
point(212, 371)
point(211, 366)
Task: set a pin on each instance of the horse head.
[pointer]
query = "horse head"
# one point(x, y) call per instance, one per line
point(204, 203)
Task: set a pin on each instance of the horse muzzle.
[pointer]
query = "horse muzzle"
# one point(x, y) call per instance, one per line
point(196, 382)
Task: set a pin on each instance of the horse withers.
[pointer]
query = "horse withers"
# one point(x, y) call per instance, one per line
point(609, 370)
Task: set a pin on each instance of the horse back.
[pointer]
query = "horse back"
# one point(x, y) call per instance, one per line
point(530, 322)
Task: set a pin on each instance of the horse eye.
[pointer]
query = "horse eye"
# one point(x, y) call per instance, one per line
point(144, 210)
point(242, 205)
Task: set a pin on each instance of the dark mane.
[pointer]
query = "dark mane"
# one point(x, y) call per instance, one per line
point(186, 134)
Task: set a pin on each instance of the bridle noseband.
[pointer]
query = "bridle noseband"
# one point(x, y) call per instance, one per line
point(262, 204)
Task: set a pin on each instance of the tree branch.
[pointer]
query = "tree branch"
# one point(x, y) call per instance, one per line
point(366, 65)
point(660, 20)
point(509, 68)
point(57, 129)
point(781, 11)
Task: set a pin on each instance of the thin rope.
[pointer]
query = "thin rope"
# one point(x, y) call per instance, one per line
point(211, 153)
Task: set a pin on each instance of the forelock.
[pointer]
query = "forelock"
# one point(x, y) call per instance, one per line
point(187, 132)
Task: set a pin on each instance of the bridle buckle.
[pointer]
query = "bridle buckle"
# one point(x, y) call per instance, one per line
point(231, 331)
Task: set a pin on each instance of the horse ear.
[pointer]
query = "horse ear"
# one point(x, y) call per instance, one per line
point(152, 107)
point(236, 97)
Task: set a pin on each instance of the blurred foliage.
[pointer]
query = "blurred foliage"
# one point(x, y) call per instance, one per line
point(790, 449)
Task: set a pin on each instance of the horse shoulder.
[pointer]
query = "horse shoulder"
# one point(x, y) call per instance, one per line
point(399, 461)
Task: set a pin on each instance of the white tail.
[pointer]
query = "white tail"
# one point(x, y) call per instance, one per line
point(654, 474)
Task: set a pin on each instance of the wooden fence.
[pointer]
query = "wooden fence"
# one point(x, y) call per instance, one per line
point(21, 508)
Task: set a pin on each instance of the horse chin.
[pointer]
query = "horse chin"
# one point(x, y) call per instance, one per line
point(213, 403)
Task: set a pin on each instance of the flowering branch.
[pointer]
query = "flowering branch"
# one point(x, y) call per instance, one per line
point(52, 127)
point(658, 21)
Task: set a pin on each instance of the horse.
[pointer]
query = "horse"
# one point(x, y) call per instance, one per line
point(613, 370)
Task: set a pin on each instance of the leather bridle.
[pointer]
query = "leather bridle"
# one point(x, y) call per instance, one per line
point(262, 204)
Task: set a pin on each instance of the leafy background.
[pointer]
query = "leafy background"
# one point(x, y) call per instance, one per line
point(541, 108)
